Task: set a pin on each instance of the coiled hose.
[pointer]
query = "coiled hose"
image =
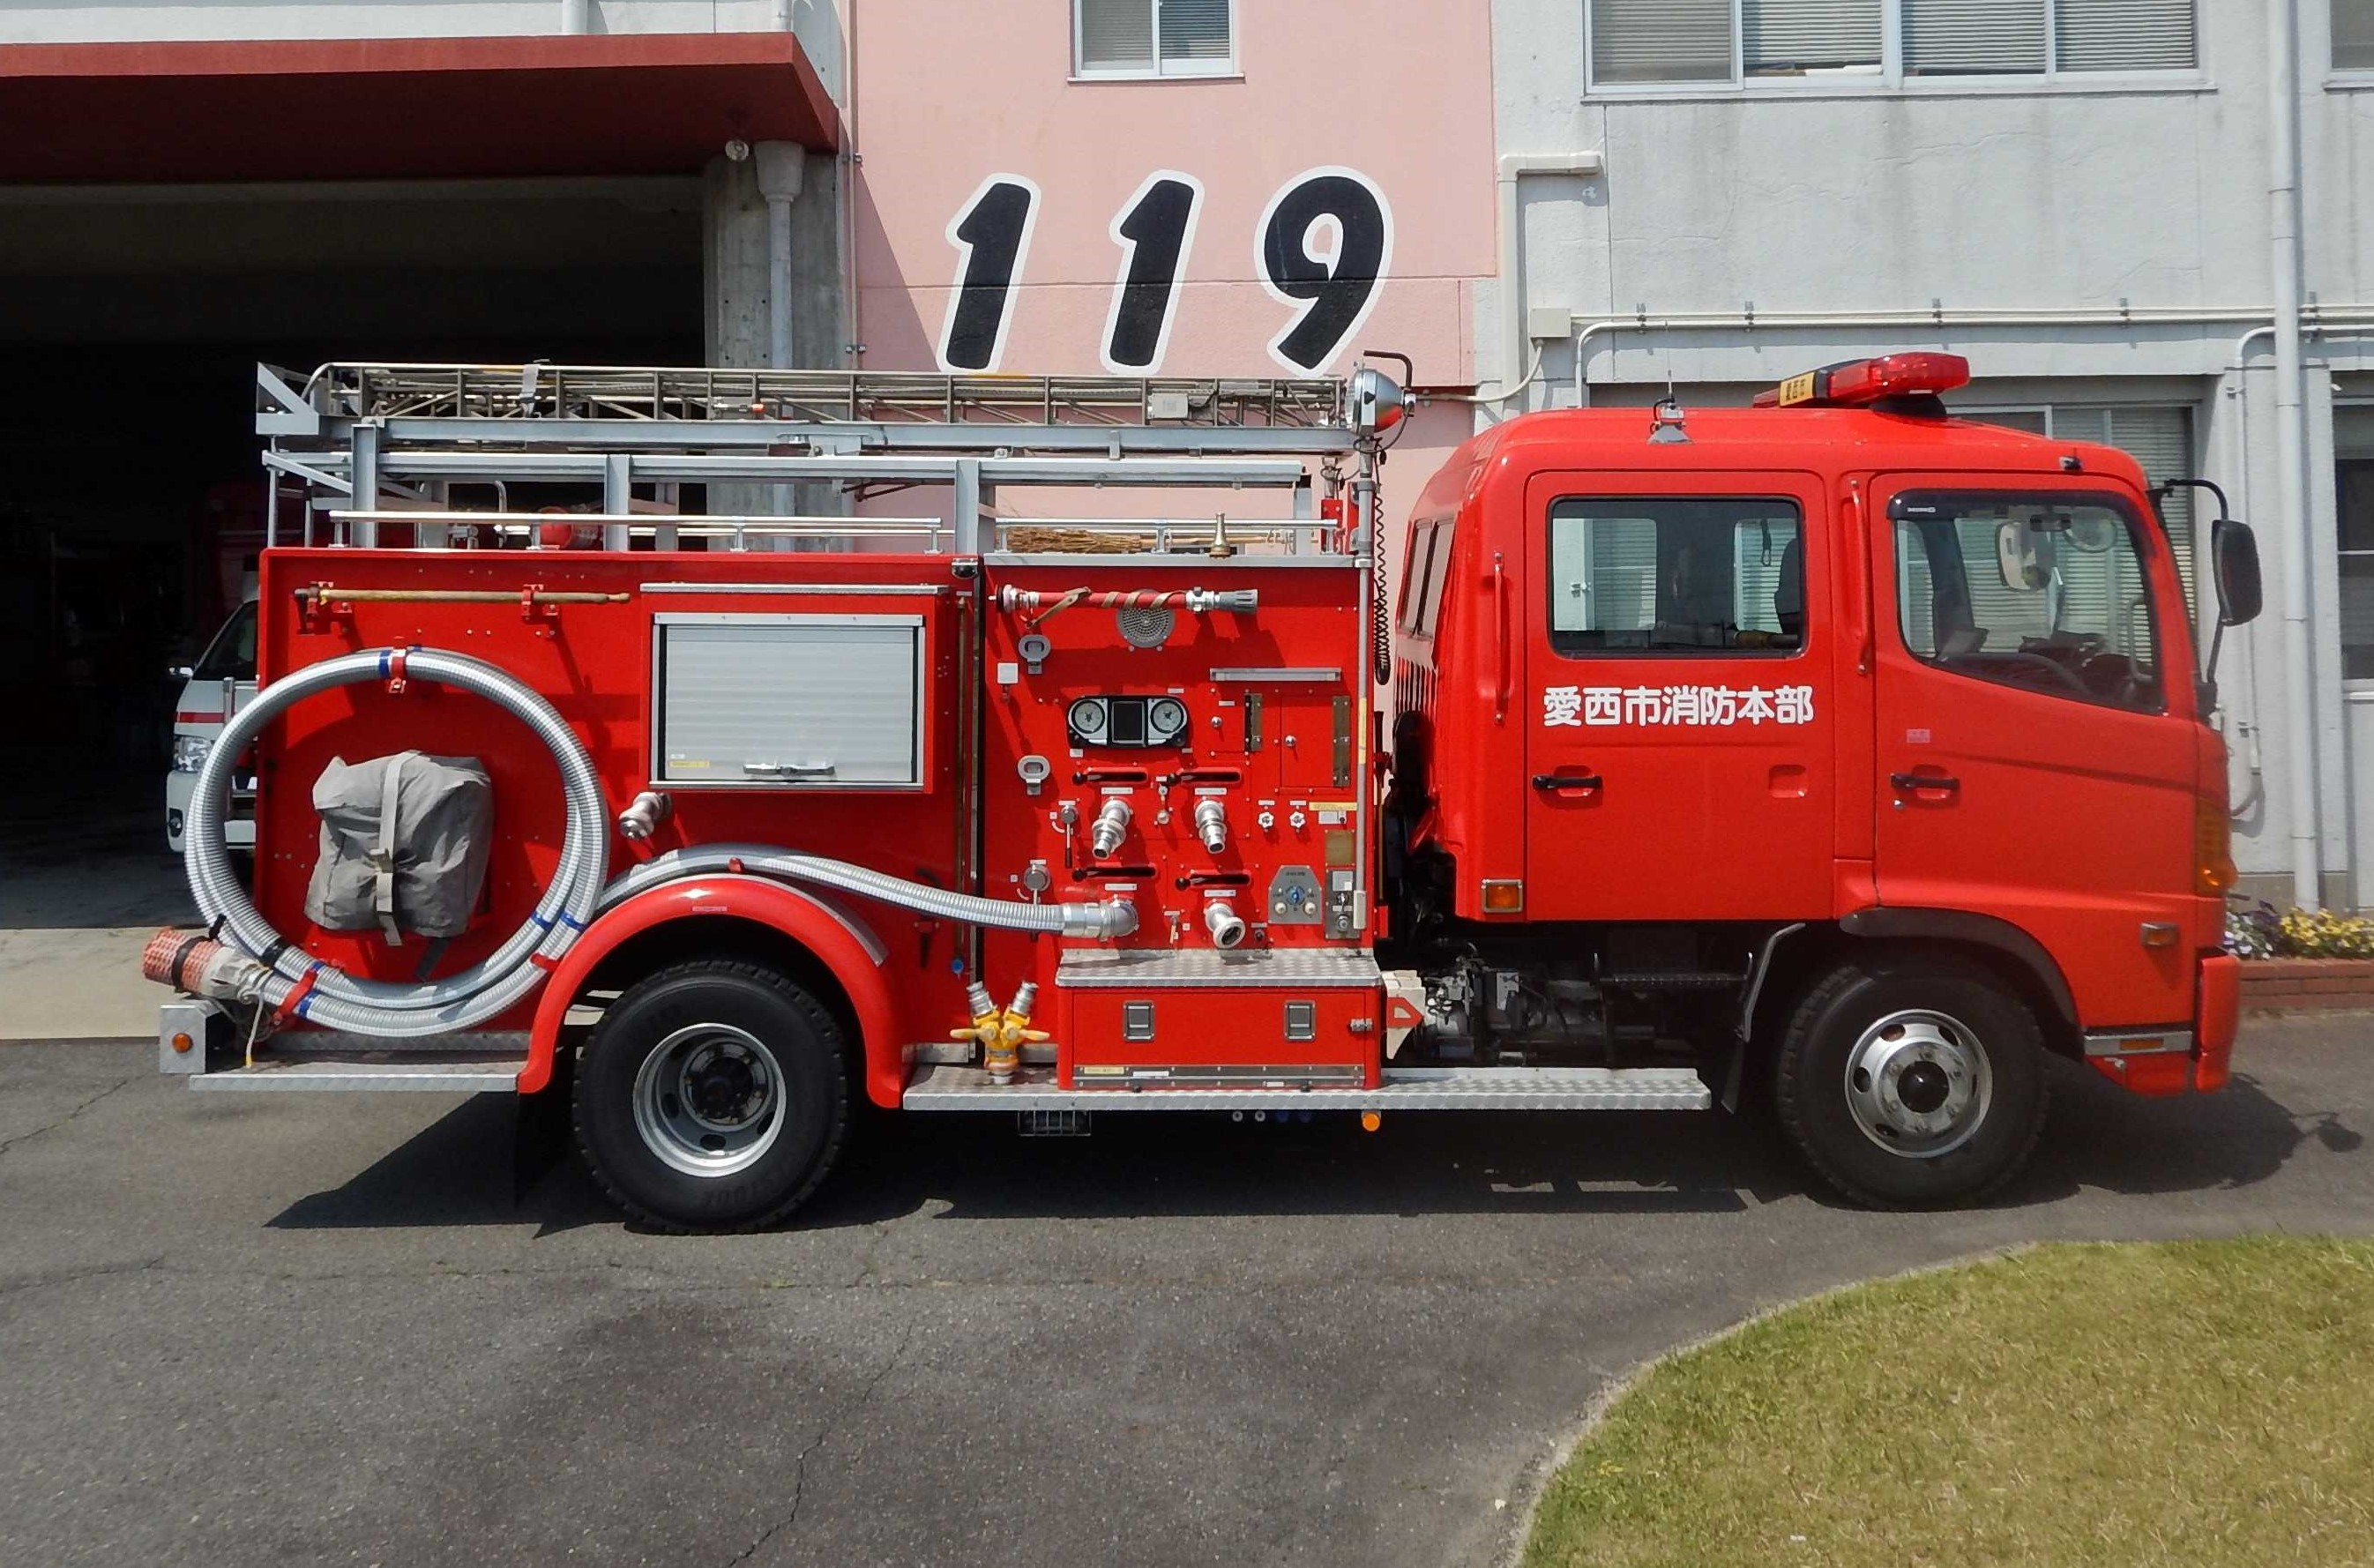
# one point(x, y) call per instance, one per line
point(397, 1010)
point(577, 892)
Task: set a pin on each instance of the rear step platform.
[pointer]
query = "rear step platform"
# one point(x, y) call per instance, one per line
point(458, 1064)
point(1404, 1088)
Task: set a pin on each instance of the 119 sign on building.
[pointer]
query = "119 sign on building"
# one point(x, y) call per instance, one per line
point(1322, 248)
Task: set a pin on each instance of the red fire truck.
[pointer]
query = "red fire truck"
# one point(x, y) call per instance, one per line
point(1833, 747)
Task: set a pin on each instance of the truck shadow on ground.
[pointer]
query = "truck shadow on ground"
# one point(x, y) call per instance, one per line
point(482, 1165)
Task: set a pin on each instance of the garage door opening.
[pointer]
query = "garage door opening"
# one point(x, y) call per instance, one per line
point(131, 493)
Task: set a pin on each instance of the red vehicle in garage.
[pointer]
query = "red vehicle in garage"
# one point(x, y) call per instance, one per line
point(1836, 746)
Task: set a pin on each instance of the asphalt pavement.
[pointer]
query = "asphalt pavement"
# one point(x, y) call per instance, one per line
point(336, 1329)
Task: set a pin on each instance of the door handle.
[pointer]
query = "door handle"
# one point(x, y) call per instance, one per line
point(1555, 782)
point(1499, 638)
point(1910, 782)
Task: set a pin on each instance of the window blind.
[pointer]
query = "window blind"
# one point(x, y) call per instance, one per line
point(1623, 573)
point(1116, 35)
point(1194, 29)
point(2353, 35)
point(1973, 37)
point(2123, 35)
point(1786, 37)
point(2162, 440)
point(1661, 40)
point(1758, 550)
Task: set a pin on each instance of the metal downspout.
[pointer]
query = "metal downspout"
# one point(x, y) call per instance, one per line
point(2291, 446)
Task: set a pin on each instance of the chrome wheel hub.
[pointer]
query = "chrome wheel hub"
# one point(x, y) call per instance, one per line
point(709, 1099)
point(1917, 1083)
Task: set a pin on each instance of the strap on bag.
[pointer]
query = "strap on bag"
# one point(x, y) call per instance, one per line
point(382, 859)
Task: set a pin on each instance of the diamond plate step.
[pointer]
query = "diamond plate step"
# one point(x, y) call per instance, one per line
point(1404, 1088)
point(444, 1072)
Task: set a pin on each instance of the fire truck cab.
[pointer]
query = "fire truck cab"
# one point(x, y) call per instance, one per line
point(1831, 738)
point(1837, 746)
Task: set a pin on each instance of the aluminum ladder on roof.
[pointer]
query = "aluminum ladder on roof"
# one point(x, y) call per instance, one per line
point(416, 431)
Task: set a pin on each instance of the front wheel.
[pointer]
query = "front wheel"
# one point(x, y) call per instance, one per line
point(713, 1095)
point(1911, 1083)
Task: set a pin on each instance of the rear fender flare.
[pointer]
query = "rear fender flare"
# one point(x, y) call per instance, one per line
point(839, 942)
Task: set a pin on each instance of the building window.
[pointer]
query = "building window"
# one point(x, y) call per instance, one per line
point(1661, 42)
point(2158, 436)
point(1152, 37)
point(2353, 35)
point(2352, 445)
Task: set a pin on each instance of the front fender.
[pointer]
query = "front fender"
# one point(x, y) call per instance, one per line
point(850, 951)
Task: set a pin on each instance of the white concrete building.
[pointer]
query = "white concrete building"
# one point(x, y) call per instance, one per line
point(2092, 199)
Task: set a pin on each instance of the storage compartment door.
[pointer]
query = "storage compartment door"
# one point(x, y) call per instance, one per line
point(819, 701)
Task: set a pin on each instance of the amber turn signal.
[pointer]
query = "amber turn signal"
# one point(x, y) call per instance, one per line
point(2213, 847)
point(182, 1043)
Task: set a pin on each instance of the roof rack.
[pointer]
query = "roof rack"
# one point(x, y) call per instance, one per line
point(987, 411)
point(363, 436)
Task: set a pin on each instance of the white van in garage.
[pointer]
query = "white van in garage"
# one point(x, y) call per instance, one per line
point(218, 686)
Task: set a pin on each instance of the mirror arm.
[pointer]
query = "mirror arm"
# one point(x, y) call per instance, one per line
point(2207, 685)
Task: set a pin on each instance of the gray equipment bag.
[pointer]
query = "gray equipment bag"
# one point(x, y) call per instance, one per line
point(405, 840)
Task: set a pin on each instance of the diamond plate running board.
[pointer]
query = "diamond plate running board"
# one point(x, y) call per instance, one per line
point(1404, 1088)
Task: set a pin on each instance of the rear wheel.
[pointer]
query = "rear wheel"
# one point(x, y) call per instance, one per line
point(713, 1095)
point(1914, 1082)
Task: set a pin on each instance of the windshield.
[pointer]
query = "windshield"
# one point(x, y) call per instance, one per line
point(231, 655)
point(2038, 590)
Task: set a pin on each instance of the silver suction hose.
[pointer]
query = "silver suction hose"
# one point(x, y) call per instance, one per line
point(1102, 919)
point(399, 1010)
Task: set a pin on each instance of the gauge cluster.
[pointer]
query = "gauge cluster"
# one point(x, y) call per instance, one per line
point(1126, 721)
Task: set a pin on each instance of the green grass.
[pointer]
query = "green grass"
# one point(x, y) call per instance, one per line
point(2202, 1403)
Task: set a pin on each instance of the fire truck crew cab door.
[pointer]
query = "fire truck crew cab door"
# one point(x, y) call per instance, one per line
point(1679, 744)
point(2029, 767)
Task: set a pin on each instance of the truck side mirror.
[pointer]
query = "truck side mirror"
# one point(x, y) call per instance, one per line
point(2234, 551)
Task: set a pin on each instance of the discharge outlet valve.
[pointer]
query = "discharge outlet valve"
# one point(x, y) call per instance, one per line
point(1212, 825)
point(1111, 825)
point(1227, 927)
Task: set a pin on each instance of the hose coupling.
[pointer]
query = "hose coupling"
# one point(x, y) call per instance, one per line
point(1111, 826)
point(1212, 824)
point(1227, 927)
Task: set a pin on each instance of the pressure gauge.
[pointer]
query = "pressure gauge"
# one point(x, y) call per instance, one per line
point(1165, 720)
point(1087, 718)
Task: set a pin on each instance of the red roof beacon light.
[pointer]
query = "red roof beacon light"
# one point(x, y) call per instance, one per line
point(1859, 384)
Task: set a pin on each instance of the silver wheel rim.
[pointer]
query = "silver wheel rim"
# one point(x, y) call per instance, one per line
point(709, 1099)
point(1919, 1084)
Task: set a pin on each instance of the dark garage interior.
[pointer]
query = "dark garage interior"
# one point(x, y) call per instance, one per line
point(131, 496)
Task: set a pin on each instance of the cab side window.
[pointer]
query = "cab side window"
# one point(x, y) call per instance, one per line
point(2044, 593)
point(1683, 576)
point(1423, 572)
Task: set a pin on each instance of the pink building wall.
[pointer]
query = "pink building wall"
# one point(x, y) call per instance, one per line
point(1393, 95)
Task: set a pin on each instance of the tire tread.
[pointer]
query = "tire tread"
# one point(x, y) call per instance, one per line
point(827, 1028)
point(1791, 1107)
